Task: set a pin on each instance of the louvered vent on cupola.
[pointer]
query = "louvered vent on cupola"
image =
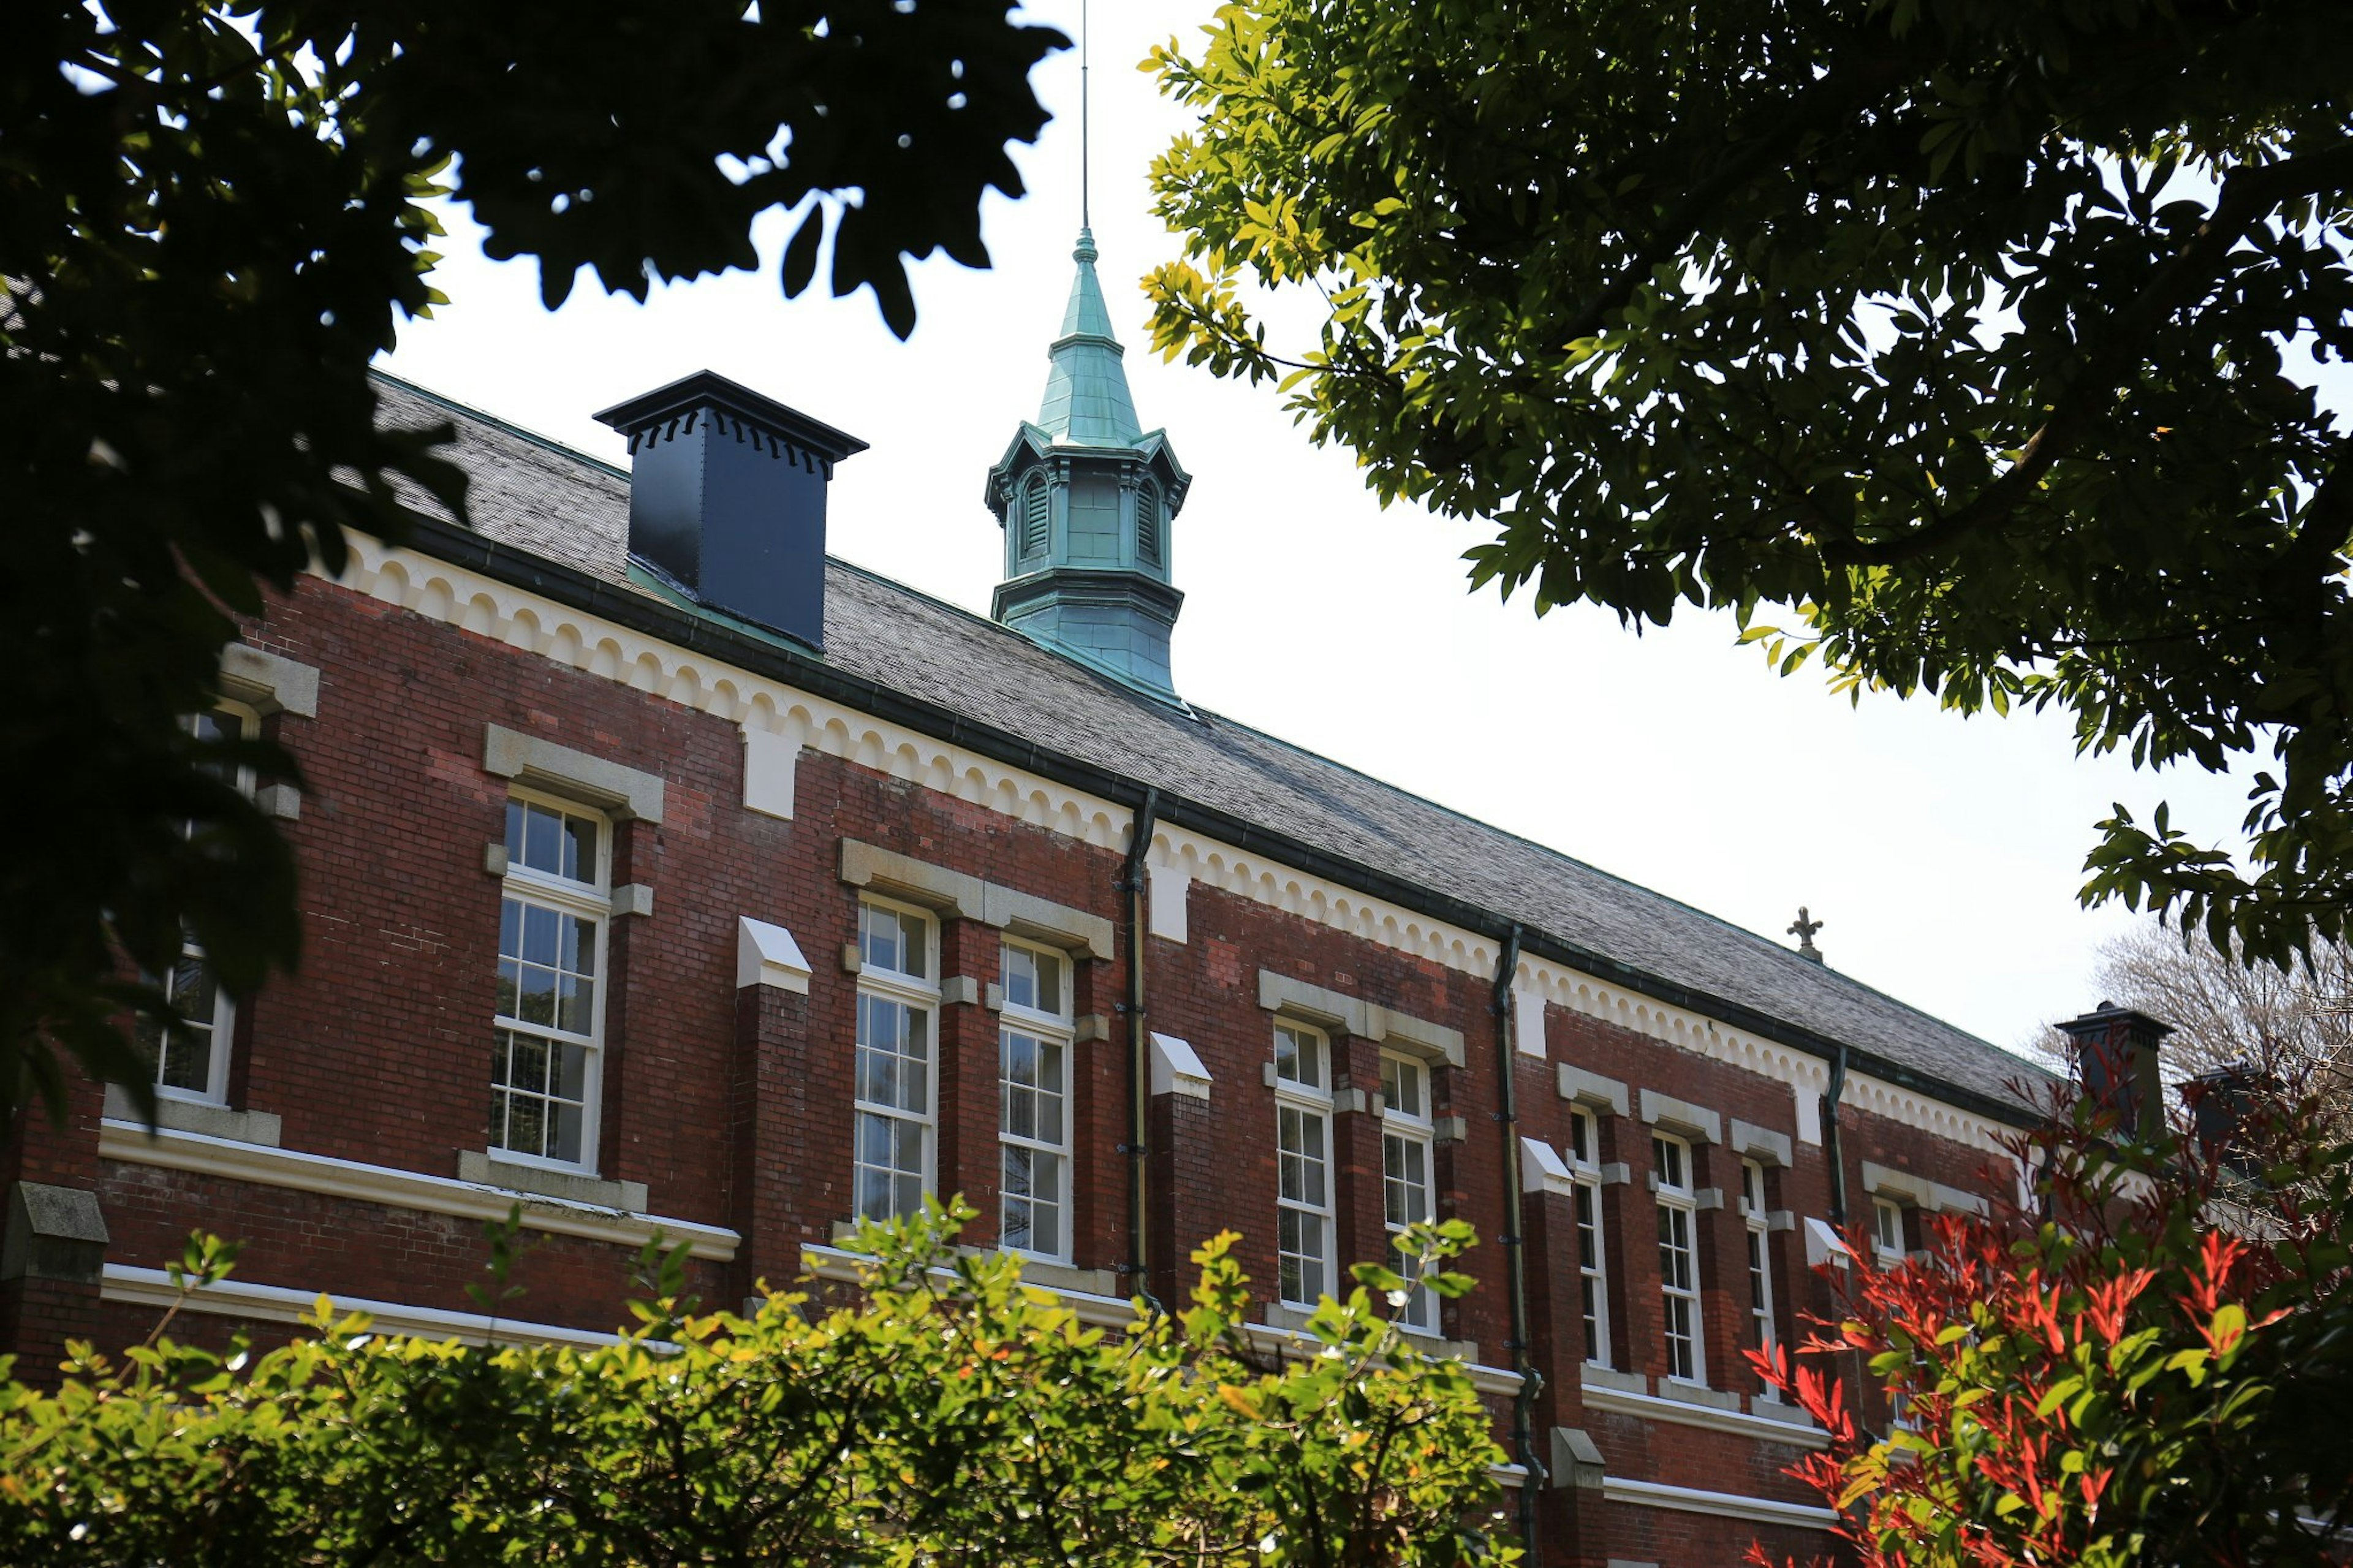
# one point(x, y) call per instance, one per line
point(1147, 523)
point(727, 495)
point(1036, 516)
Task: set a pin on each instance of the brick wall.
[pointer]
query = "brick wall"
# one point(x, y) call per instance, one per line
point(734, 1109)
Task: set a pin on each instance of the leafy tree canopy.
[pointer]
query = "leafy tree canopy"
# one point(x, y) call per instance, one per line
point(212, 216)
point(944, 1413)
point(1952, 335)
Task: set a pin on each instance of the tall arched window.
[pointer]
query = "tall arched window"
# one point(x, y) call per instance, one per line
point(1037, 514)
point(1147, 523)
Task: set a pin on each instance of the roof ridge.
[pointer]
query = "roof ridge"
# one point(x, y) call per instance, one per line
point(520, 432)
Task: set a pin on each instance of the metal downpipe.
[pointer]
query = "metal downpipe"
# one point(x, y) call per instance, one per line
point(1508, 1116)
point(1831, 1148)
point(1139, 1054)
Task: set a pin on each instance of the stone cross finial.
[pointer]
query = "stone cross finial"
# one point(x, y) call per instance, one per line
point(1803, 930)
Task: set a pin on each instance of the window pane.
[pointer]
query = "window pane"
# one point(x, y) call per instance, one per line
point(516, 812)
point(542, 934)
point(538, 994)
point(564, 1134)
point(542, 850)
point(1298, 1058)
point(577, 951)
point(526, 1123)
point(572, 1071)
point(576, 1003)
point(579, 849)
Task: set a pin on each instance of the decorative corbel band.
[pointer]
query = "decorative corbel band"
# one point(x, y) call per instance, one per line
point(269, 682)
point(625, 792)
point(1354, 1015)
point(1665, 1110)
point(959, 895)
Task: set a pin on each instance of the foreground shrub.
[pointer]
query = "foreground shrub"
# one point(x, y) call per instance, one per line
point(2149, 1365)
point(941, 1412)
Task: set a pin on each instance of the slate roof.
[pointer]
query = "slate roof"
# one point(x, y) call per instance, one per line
point(530, 493)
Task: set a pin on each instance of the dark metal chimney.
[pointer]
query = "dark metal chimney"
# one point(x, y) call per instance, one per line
point(727, 499)
point(2116, 1052)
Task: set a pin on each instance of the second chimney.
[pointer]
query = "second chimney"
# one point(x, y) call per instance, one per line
point(2116, 1052)
point(727, 495)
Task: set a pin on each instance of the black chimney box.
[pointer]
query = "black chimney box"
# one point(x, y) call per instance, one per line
point(2116, 1052)
point(727, 498)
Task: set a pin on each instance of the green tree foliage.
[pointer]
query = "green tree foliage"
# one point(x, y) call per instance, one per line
point(2154, 1376)
point(1950, 333)
point(941, 1412)
point(212, 216)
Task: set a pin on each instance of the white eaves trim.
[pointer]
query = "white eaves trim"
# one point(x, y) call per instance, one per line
point(137, 1286)
point(1650, 1407)
point(128, 1142)
point(1723, 1505)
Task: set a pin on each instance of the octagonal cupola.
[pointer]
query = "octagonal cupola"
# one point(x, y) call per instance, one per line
point(1085, 498)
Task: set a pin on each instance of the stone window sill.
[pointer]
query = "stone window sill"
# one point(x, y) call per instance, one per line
point(260, 1127)
point(489, 1171)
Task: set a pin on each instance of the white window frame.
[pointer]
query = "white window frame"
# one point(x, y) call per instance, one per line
point(1760, 1254)
point(1678, 1204)
point(222, 1031)
point(591, 900)
point(1405, 1134)
point(1592, 1239)
point(1887, 1214)
point(1310, 1104)
point(918, 994)
point(1052, 1030)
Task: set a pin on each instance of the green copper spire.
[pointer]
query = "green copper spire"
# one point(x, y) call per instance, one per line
point(1087, 402)
point(1085, 497)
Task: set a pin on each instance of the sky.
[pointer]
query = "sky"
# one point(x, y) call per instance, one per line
point(1942, 855)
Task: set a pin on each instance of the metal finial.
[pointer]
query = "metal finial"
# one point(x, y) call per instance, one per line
point(1086, 219)
point(1803, 930)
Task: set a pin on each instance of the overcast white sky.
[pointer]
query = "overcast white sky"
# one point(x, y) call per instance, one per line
point(1942, 855)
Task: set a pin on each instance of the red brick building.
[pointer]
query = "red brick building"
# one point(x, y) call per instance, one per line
point(662, 875)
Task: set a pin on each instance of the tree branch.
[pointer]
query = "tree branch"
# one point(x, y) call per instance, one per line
point(1833, 100)
point(2249, 196)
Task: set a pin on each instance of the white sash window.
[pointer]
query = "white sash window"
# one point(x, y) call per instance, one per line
point(1592, 1260)
point(1406, 1182)
point(1034, 1042)
point(548, 1035)
point(897, 1000)
point(1303, 1128)
point(1679, 1258)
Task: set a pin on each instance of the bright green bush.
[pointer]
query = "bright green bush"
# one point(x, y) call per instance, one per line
point(944, 1412)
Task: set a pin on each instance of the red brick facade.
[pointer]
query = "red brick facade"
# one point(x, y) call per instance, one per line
point(733, 1106)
